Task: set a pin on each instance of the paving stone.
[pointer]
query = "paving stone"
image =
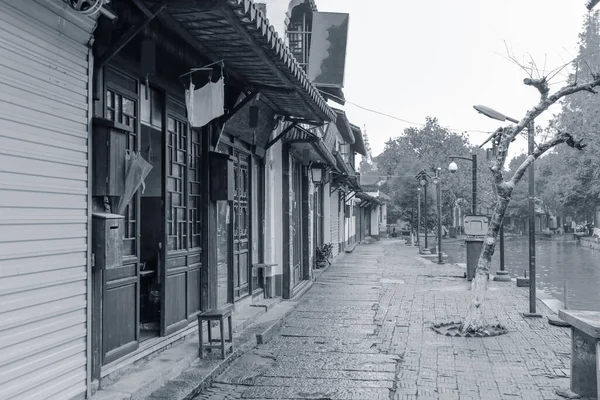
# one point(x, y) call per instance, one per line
point(363, 331)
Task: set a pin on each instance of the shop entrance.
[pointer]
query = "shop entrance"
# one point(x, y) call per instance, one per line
point(151, 213)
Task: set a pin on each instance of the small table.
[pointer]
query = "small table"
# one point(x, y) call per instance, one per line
point(585, 351)
point(220, 315)
point(266, 274)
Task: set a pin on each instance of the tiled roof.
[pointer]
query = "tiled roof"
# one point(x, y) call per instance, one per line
point(256, 23)
point(238, 33)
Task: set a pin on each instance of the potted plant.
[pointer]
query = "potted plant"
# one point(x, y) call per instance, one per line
point(324, 253)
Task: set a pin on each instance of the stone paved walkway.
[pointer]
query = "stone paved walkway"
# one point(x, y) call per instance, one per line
point(364, 332)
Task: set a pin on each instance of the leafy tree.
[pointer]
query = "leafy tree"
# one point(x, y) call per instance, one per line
point(428, 148)
point(366, 163)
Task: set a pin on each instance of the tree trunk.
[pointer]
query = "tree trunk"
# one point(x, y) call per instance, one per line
point(475, 318)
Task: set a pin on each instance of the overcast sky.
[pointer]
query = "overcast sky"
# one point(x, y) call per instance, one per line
point(438, 58)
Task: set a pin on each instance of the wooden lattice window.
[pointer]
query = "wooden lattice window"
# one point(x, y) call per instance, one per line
point(122, 110)
point(242, 189)
point(195, 220)
point(177, 218)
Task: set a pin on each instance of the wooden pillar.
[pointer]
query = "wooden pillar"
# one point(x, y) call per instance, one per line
point(208, 273)
point(286, 220)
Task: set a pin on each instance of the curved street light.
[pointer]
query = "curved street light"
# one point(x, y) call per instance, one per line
point(491, 113)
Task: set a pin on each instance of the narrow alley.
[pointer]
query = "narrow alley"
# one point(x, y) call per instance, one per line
point(364, 332)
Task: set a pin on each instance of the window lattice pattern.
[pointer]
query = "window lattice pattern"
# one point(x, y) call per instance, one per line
point(177, 221)
point(123, 111)
point(195, 220)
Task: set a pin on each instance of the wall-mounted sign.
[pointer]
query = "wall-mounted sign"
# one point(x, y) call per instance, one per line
point(328, 49)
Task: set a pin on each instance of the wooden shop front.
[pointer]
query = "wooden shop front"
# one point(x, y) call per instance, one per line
point(189, 235)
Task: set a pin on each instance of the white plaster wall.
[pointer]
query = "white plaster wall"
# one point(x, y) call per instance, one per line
point(273, 212)
point(374, 229)
point(334, 223)
point(326, 213)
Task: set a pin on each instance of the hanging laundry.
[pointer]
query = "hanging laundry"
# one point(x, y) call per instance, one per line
point(205, 104)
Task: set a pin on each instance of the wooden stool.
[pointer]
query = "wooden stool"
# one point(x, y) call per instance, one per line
point(216, 315)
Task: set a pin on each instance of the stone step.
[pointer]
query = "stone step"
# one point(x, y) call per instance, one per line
point(267, 304)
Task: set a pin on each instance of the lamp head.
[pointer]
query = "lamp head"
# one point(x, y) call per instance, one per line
point(490, 112)
point(453, 167)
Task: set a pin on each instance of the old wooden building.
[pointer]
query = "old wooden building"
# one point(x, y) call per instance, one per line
point(194, 236)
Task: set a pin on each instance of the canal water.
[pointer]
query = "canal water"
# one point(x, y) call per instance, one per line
point(557, 263)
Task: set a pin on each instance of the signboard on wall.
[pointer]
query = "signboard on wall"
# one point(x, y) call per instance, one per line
point(328, 49)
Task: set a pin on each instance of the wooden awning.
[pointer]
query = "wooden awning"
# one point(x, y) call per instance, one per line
point(238, 33)
point(359, 142)
point(301, 139)
point(367, 200)
point(343, 126)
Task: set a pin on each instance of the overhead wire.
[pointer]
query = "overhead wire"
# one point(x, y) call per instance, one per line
point(398, 118)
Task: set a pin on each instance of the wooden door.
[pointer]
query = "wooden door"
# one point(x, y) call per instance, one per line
point(120, 286)
point(241, 225)
point(296, 223)
point(180, 294)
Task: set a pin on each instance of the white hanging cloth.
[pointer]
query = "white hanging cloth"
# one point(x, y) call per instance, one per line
point(205, 104)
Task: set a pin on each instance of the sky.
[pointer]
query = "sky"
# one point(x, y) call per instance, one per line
point(438, 58)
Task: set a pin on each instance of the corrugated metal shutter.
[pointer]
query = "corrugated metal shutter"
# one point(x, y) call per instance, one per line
point(43, 199)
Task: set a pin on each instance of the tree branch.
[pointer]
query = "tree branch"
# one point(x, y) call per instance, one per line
point(540, 84)
point(560, 137)
point(546, 102)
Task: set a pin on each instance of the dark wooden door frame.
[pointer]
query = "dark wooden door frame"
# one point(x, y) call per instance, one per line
point(188, 260)
point(232, 145)
point(305, 225)
point(129, 273)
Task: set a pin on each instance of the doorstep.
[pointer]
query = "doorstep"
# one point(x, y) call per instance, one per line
point(202, 372)
point(351, 247)
point(145, 376)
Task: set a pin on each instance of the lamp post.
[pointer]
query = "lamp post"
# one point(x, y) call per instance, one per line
point(437, 180)
point(491, 113)
point(418, 217)
point(423, 179)
point(453, 168)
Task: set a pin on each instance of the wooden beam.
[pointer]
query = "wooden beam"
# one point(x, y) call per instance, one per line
point(127, 37)
point(273, 141)
point(240, 105)
point(304, 121)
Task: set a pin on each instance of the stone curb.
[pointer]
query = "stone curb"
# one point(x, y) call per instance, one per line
point(199, 377)
point(191, 382)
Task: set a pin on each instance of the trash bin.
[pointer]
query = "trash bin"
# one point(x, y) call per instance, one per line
point(453, 232)
point(474, 245)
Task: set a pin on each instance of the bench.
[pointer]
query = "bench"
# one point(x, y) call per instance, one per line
point(216, 315)
point(585, 351)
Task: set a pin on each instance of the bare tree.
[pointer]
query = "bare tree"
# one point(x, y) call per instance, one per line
point(475, 318)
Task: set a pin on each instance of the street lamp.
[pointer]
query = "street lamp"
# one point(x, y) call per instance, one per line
point(491, 113)
point(437, 180)
point(418, 217)
point(422, 177)
point(453, 168)
point(317, 173)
